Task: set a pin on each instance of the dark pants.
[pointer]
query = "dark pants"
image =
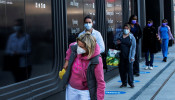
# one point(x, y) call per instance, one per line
point(126, 71)
point(136, 69)
point(149, 62)
point(104, 61)
point(21, 73)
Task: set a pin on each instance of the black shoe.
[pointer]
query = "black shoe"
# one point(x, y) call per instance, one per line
point(132, 85)
point(123, 85)
point(164, 59)
point(137, 74)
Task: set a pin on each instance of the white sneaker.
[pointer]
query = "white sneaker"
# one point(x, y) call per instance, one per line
point(146, 67)
point(151, 68)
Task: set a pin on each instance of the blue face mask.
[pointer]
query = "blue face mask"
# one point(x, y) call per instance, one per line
point(164, 24)
point(88, 26)
point(125, 31)
point(150, 24)
point(133, 21)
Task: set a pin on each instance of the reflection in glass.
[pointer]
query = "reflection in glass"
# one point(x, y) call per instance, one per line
point(89, 9)
point(111, 18)
point(119, 16)
point(18, 52)
point(39, 26)
point(74, 19)
point(26, 40)
point(129, 7)
point(114, 21)
point(12, 65)
point(76, 11)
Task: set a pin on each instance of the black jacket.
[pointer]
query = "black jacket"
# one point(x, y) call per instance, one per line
point(149, 41)
point(137, 33)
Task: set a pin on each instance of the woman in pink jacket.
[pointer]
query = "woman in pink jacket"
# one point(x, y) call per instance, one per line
point(84, 75)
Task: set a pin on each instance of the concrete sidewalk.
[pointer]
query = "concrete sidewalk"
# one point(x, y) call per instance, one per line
point(149, 85)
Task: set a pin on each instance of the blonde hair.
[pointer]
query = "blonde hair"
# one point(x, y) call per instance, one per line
point(89, 41)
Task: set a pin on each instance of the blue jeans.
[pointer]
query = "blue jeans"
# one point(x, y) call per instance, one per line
point(164, 46)
point(149, 62)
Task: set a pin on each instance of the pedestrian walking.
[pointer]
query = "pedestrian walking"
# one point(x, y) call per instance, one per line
point(83, 70)
point(164, 34)
point(149, 43)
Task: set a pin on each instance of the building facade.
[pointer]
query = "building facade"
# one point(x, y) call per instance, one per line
point(48, 27)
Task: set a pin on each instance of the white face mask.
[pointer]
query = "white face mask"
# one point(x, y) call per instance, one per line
point(80, 50)
point(88, 26)
point(125, 31)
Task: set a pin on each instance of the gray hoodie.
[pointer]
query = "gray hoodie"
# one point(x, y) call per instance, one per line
point(133, 46)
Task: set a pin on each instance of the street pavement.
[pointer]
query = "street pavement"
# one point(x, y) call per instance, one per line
point(156, 84)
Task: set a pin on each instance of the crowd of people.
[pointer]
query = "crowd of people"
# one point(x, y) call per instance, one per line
point(82, 74)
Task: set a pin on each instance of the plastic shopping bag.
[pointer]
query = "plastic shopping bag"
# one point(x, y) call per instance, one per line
point(112, 57)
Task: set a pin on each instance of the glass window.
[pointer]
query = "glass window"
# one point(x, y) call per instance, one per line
point(111, 20)
point(118, 16)
point(129, 7)
point(74, 19)
point(39, 27)
point(13, 42)
point(76, 11)
point(26, 40)
point(114, 21)
point(89, 9)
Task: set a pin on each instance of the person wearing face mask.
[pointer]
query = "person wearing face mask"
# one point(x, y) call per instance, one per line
point(136, 31)
point(126, 43)
point(84, 75)
point(164, 34)
point(88, 24)
point(18, 51)
point(149, 43)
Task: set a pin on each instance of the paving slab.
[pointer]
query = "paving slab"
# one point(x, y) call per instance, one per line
point(146, 84)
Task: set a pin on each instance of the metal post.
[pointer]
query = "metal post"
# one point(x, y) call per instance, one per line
point(141, 20)
point(161, 10)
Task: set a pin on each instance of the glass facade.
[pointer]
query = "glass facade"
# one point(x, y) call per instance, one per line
point(76, 11)
point(39, 26)
point(89, 9)
point(114, 20)
point(26, 40)
point(129, 7)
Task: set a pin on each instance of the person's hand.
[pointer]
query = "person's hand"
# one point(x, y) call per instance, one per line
point(160, 41)
point(61, 73)
point(157, 36)
point(118, 41)
point(132, 59)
